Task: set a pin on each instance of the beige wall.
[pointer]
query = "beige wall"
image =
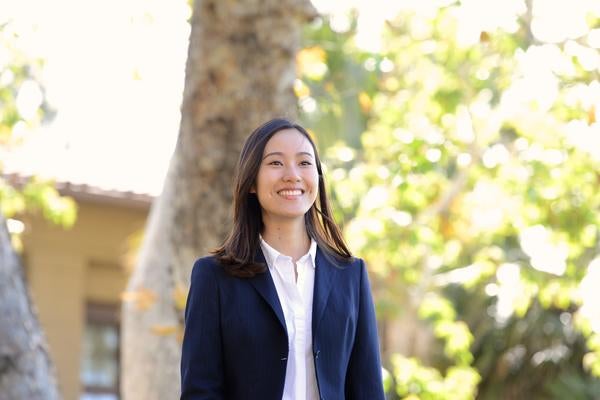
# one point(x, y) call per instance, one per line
point(68, 268)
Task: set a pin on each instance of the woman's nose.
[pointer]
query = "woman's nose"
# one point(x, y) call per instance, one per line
point(291, 174)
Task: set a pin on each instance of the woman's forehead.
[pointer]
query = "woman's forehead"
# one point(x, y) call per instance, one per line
point(289, 140)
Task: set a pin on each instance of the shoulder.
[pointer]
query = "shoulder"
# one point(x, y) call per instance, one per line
point(352, 264)
point(205, 267)
point(352, 268)
point(207, 262)
point(355, 265)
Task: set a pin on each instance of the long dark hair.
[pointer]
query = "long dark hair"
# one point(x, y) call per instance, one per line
point(237, 253)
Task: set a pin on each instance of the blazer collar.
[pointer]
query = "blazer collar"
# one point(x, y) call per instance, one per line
point(263, 283)
point(324, 277)
point(325, 274)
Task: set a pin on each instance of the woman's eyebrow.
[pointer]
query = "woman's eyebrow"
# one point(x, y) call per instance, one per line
point(279, 153)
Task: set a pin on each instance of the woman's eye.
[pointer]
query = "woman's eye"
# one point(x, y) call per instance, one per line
point(279, 163)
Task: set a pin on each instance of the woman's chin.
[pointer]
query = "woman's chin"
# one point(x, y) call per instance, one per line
point(286, 214)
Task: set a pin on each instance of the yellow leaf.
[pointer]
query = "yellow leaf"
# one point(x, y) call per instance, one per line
point(164, 330)
point(310, 61)
point(142, 298)
point(365, 102)
point(180, 294)
point(311, 54)
point(300, 89)
point(179, 334)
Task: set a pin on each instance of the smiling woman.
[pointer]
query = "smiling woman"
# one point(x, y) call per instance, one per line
point(288, 181)
point(274, 158)
point(282, 310)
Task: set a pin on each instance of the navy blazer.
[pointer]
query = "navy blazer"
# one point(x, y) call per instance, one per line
point(235, 344)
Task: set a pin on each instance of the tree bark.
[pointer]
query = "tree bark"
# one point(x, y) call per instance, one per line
point(240, 72)
point(26, 371)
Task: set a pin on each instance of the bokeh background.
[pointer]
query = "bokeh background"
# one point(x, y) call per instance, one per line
point(462, 149)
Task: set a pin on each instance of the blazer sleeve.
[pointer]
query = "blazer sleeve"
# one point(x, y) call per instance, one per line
point(363, 377)
point(202, 359)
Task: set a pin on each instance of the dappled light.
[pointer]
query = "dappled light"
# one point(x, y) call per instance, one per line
point(461, 150)
point(472, 189)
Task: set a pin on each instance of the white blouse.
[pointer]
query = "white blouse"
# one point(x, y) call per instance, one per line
point(296, 299)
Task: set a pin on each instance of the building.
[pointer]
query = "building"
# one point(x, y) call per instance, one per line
point(76, 278)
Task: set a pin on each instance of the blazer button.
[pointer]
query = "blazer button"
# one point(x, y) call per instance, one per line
point(317, 354)
point(283, 358)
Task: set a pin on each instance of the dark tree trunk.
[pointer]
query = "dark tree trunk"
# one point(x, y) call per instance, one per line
point(26, 371)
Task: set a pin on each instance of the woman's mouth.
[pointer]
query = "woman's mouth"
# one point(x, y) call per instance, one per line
point(290, 193)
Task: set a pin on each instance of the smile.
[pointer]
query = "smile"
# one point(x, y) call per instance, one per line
point(290, 192)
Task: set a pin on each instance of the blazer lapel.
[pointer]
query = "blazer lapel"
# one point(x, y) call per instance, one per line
point(263, 283)
point(325, 273)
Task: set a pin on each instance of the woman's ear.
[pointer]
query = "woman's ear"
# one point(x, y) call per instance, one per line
point(252, 189)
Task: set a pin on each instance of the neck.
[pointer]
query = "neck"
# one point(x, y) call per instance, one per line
point(288, 238)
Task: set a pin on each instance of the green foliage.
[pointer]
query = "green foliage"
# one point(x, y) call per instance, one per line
point(414, 381)
point(335, 91)
point(21, 77)
point(21, 72)
point(473, 196)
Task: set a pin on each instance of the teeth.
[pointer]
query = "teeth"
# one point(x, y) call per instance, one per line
point(290, 192)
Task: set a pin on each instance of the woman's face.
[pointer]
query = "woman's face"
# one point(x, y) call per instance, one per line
point(287, 182)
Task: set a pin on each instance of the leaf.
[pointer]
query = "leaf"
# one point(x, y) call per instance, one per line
point(300, 89)
point(365, 102)
point(164, 330)
point(142, 298)
point(310, 62)
point(180, 294)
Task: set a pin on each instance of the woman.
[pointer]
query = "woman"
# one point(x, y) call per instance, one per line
point(281, 310)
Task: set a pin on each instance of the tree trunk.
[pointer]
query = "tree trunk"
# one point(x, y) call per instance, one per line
point(240, 72)
point(26, 371)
